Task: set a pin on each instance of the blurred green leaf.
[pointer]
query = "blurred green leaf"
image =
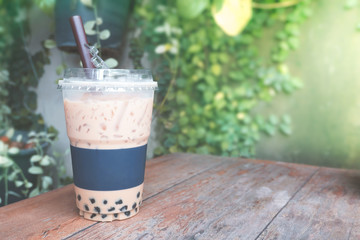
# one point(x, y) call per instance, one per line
point(46, 182)
point(285, 129)
point(286, 119)
point(273, 120)
point(35, 158)
point(104, 34)
point(28, 184)
point(49, 44)
point(14, 194)
point(350, 4)
point(19, 183)
point(34, 192)
point(45, 161)
point(35, 170)
point(190, 9)
point(60, 69)
point(89, 27)
point(88, 3)
point(111, 62)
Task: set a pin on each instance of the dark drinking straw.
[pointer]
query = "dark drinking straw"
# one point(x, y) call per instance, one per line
point(81, 41)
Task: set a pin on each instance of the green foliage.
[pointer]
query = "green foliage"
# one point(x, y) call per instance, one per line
point(190, 9)
point(47, 6)
point(210, 83)
point(40, 165)
point(20, 70)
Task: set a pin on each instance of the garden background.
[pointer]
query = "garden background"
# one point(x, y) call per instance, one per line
point(281, 85)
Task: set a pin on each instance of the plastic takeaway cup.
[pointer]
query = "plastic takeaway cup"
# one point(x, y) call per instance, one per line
point(108, 116)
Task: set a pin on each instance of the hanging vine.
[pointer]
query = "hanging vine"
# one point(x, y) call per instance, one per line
point(209, 82)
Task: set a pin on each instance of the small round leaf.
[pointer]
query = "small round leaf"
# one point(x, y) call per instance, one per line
point(111, 62)
point(35, 158)
point(19, 183)
point(28, 184)
point(46, 182)
point(105, 34)
point(9, 133)
point(45, 161)
point(36, 170)
point(99, 21)
point(49, 44)
point(89, 28)
point(87, 3)
point(5, 162)
point(34, 192)
point(13, 150)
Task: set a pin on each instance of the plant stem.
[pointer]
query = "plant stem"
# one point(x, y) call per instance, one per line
point(97, 28)
point(174, 70)
point(20, 170)
point(28, 56)
point(6, 186)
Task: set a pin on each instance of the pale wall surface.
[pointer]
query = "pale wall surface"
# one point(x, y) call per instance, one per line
point(326, 112)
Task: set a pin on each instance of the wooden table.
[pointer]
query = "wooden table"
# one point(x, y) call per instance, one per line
point(204, 197)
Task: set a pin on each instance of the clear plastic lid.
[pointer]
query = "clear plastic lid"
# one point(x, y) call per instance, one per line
point(108, 80)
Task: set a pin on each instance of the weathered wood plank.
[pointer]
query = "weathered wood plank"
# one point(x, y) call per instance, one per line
point(235, 200)
point(327, 207)
point(54, 215)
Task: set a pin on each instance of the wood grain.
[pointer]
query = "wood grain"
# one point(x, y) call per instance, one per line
point(326, 208)
point(191, 196)
point(235, 200)
point(54, 215)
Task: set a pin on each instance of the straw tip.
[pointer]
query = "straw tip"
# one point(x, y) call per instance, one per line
point(75, 18)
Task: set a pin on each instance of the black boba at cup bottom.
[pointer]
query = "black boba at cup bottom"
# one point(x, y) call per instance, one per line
point(108, 183)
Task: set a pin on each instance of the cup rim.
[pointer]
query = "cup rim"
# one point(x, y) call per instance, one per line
point(92, 79)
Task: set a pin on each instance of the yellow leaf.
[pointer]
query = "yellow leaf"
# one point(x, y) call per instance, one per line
point(219, 96)
point(216, 69)
point(233, 16)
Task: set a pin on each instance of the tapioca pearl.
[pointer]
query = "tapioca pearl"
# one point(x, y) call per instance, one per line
point(136, 209)
point(92, 200)
point(124, 208)
point(103, 216)
point(118, 202)
point(127, 213)
point(105, 202)
point(134, 205)
point(115, 215)
point(97, 209)
point(111, 209)
point(86, 207)
point(79, 197)
point(93, 215)
point(138, 195)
